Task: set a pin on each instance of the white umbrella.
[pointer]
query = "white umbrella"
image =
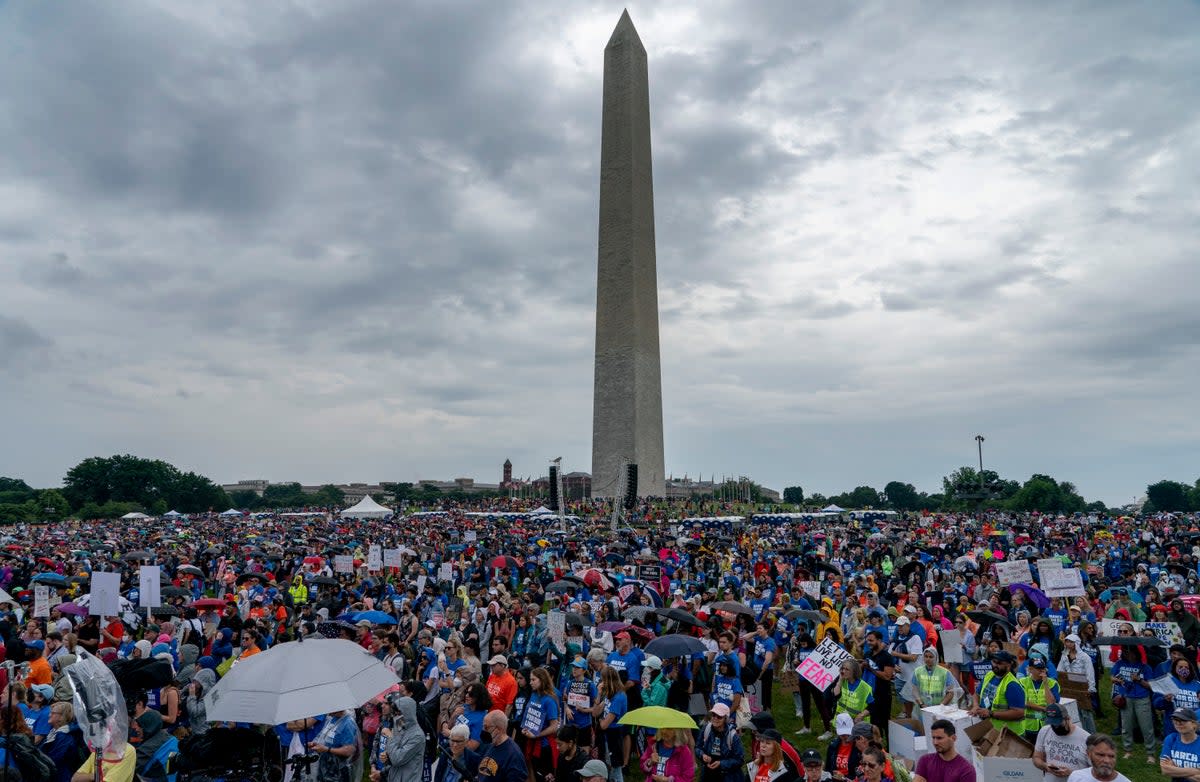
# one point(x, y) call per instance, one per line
point(7, 598)
point(298, 679)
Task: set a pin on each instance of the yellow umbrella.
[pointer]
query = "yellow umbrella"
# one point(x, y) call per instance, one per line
point(658, 717)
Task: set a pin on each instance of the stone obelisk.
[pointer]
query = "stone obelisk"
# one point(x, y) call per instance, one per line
point(627, 404)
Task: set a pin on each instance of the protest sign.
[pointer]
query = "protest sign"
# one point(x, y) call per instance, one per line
point(1014, 572)
point(823, 664)
point(650, 573)
point(471, 536)
point(445, 572)
point(556, 629)
point(1168, 632)
point(105, 594)
point(421, 581)
point(952, 651)
point(812, 589)
point(392, 557)
point(343, 563)
point(1046, 565)
point(1066, 582)
point(374, 558)
point(41, 600)
point(149, 586)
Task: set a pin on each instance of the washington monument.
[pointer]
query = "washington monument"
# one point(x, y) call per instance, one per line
point(627, 422)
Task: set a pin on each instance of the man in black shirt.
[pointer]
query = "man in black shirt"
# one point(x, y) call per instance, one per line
point(883, 665)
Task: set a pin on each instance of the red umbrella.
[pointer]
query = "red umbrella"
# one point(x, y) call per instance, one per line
point(594, 577)
point(207, 602)
point(504, 561)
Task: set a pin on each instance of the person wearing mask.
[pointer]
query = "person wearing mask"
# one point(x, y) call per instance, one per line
point(669, 757)
point(403, 757)
point(768, 763)
point(1180, 757)
point(571, 756)
point(578, 698)
point(1061, 746)
point(726, 685)
point(944, 764)
point(719, 749)
point(1131, 681)
point(335, 746)
point(1183, 676)
point(1102, 761)
point(814, 767)
point(1040, 690)
point(1000, 697)
point(540, 723)
point(906, 649)
point(503, 761)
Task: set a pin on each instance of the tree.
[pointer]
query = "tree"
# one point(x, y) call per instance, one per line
point(1167, 496)
point(284, 495)
point(329, 496)
point(793, 495)
point(246, 499)
point(130, 479)
point(1043, 493)
point(53, 504)
point(902, 496)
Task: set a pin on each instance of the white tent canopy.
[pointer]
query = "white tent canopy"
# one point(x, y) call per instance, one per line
point(135, 515)
point(367, 508)
point(231, 512)
point(542, 511)
point(172, 514)
point(833, 509)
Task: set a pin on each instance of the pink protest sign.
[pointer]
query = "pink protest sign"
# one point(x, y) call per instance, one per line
point(821, 666)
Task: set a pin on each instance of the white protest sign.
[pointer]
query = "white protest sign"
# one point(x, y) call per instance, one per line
point(822, 665)
point(421, 579)
point(1067, 582)
point(343, 563)
point(1168, 632)
point(392, 557)
point(105, 594)
point(952, 651)
point(374, 558)
point(811, 588)
point(1165, 685)
point(1015, 572)
point(41, 600)
point(149, 586)
point(471, 536)
point(556, 629)
point(445, 572)
point(1046, 565)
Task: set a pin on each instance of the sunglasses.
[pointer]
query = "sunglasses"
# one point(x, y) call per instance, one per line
point(869, 765)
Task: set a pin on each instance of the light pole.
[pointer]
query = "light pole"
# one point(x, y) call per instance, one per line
point(979, 442)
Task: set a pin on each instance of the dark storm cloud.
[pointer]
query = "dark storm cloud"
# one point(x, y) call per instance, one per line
point(372, 217)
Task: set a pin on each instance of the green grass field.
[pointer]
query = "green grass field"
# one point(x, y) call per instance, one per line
point(1135, 767)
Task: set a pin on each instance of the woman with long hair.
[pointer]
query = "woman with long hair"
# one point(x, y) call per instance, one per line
point(611, 733)
point(669, 756)
point(768, 765)
point(1131, 693)
point(539, 725)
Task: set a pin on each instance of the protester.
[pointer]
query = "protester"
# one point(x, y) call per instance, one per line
point(1061, 746)
point(944, 764)
point(1102, 761)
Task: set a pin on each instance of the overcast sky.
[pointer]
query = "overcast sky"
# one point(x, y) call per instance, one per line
point(335, 241)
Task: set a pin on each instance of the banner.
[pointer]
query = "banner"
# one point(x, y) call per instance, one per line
point(392, 557)
point(812, 589)
point(105, 594)
point(1066, 582)
point(343, 563)
point(41, 600)
point(823, 664)
point(1014, 572)
point(374, 559)
point(149, 586)
point(1164, 631)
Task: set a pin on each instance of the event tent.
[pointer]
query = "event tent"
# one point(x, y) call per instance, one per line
point(172, 514)
point(232, 512)
point(833, 509)
point(135, 515)
point(367, 508)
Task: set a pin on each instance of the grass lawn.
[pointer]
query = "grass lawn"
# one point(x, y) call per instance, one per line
point(1135, 768)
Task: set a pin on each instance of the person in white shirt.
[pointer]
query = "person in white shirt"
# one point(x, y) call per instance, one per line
point(1061, 746)
point(906, 648)
point(1074, 661)
point(1102, 760)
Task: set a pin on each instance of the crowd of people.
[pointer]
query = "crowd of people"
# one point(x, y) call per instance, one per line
point(518, 641)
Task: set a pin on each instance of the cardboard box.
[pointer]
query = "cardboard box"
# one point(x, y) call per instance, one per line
point(1071, 707)
point(999, 755)
point(906, 739)
point(961, 719)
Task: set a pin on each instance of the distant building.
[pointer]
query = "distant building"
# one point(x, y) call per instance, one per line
point(256, 486)
point(506, 480)
point(576, 485)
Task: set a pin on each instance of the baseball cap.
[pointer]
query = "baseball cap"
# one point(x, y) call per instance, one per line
point(593, 768)
point(1074, 638)
point(1003, 656)
point(498, 659)
point(47, 692)
point(37, 643)
point(579, 663)
point(810, 757)
point(1036, 662)
point(1183, 715)
point(621, 634)
point(720, 709)
point(1054, 714)
point(903, 621)
point(862, 729)
point(652, 662)
point(910, 609)
point(844, 724)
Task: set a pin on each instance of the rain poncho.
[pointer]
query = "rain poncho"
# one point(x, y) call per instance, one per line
point(406, 746)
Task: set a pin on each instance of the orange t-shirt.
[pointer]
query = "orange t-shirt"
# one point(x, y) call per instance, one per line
point(503, 690)
point(39, 673)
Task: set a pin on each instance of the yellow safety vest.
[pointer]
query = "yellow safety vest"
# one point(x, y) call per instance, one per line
point(1000, 702)
point(854, 701)
point(1035, 696)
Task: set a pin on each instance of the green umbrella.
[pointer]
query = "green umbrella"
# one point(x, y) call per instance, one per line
point(658, 717)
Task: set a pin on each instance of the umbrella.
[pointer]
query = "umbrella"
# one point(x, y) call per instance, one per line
point(1129, 640)
point(214, 550)
point(174, 591)
point(824, 567)
point(49, 579)
point(1035, 596)
point(658, 717)
point(808, 616)
point(190, 570)
point(731, 607)
point(66, 608)
point(1109, 594)
point(298, 679)
point(575, 620)
point(640, 633)
point(910, 567)
point(164, 611)
point(988, 618)
point(674, 645)
point(680, 616)
point(562, 586)
point(374, 617)
point(323, 581)
point(637, 612)
point(613, 558)
point(138, 556)
point(571, 577)
point(207, 602)
point(334, 628)
point(504, 561)
point(965, 563)
point(596, 578)
point(245, 577)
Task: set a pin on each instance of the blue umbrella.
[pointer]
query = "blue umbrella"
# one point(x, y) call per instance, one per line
point(49, 579)
point(1108, 594)
point(374, 617)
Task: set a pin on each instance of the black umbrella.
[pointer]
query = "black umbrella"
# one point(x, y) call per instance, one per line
point(138, 556)
point(806, 615)
point(575, 620)
point(680, 616)
point(618, 546)
point(190, 570)
point(732, 607)
point(245, 577)
point(135, 675)
point(637, 612)
point(1181, 569)
point(323, 581)
point(988, 618)
point(334, 628)
point(174, 591)
point(562, 586)
point(164, 610)
point(910, 567)
point(214, 550)
point(1129, 640)
point(573, 579)
point(674, 645)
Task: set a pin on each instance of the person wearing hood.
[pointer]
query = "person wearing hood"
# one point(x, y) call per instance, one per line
point(1189, 626)
point(154, 745)
point(335, 745)
point(188, 654)
point(222, 646)
point(931, 683)
point(62, 685)
point(202, 681)
point(404, 754)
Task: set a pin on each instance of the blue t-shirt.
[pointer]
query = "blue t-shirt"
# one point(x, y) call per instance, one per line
point(616, 706)
point(38, 720)
point(540, 711)
point(761, 647)
point(1136, 677)
point(474, 722)
point(580, 696)
point(630, 663)
point(1183, 755)
point(724, 688)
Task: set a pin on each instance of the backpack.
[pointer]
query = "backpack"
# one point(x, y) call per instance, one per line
point(33, 764)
